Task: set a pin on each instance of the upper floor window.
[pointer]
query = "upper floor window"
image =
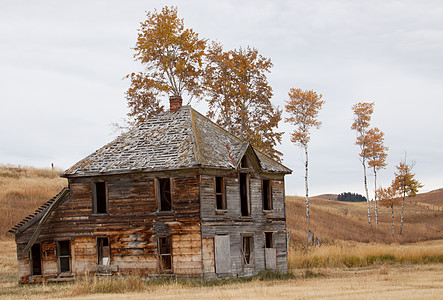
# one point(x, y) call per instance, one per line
point(267, 194)
point(220, 196)
point(100, 198)
point(164, 194)
point(244, 163)
point(245, 204)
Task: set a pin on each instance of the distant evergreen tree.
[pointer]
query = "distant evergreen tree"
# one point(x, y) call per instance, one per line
point(350, 197)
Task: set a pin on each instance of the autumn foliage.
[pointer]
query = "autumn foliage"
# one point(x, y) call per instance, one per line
point(239, 96)
point(303, 108)
point(173, 59)
point(179, 63)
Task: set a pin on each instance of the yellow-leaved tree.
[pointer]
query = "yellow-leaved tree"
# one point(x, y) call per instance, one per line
point(303, 108)
point(173, 58)
point(362, 117)
point(405, 184)
point(387, 198)
point(239, 96)
point(376, 155)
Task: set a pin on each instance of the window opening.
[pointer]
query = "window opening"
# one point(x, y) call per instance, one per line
point(268, 240)
point(244, 162)
point(220, 193)
point(36, 261)
point(267, 194)
point(103, 251)
point(165, 253)
point(247, 250)
point(100, 198)
point(64, 256)
point(164, 192)
point(244, 195)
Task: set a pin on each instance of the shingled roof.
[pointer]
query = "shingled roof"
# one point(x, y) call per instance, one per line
point(172, 140)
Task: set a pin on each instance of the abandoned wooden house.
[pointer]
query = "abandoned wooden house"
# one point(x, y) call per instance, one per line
point(176, 195)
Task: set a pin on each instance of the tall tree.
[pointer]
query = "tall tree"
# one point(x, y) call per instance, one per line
point(405, 184)
point(376, 154)
point(387, 198)
point(362, 117)
point(239, 96)
point(173, 56)
point(303, 107)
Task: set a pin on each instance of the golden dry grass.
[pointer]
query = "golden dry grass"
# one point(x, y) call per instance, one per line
point(333, 220)
point(398, 270)
point(24, 189)
point(401, 281)
point(354, 254)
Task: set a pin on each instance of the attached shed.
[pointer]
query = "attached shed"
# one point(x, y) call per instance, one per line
point(177, 195)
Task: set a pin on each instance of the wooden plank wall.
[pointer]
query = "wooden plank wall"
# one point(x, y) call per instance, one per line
point(232, 223)
point(132, 225)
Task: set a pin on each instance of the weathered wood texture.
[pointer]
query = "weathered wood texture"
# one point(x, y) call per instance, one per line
point(132, 225)
point(231, 222)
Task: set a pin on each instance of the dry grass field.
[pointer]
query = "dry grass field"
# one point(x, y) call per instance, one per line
point(352, 261)
point(24, 189)
point(333, 220)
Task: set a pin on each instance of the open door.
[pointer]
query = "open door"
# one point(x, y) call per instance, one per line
point(36, 260)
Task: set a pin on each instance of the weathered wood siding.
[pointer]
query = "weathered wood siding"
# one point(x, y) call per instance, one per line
point(132, 226)
point(230, 222)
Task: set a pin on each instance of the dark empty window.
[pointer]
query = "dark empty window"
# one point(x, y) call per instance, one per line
point(220, 193)
point(268, 240)
point(164, 194)
point(247, 249)
point(64, 256)
point(100, 198)
point(165, 253)
point(244, 162)
point(103, 251)
point(267, 194)
point(244, 195)
point(36, 261)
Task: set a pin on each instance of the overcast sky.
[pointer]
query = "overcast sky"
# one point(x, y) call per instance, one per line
point(62, 64)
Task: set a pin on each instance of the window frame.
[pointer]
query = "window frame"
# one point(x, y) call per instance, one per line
point(99, 243)
point(95, 198)
point(267, 200)
point(222, 194)
point(247, 258)
point(158, 194)
point(161, 255)
point(245, 201)
point(59, 256)
point(269, 239)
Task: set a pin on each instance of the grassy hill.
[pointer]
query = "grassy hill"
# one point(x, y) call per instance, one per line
point(332, 220)
point(23, 189)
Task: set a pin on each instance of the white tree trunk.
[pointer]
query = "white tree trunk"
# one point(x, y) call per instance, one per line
point(402, 209)
point(367, 194)
point(392, 213)
point(306, 183)
point(375, 198)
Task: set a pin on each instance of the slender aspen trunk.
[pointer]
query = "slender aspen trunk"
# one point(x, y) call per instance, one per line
point(375, 198)
point(392, 213)
point(402, 209)
point(306, 184)
point(367, 194)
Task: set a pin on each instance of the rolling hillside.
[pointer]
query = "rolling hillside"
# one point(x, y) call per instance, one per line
point(23, 189)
